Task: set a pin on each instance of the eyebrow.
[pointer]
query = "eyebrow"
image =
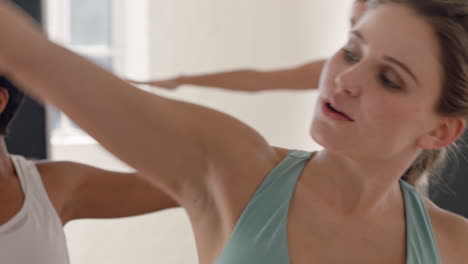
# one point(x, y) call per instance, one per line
point(403, 66)
point(388, 58)
point(359, 36)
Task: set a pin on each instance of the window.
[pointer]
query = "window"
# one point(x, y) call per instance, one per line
point(86, 27)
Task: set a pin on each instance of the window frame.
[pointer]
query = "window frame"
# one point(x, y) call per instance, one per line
point(57, 25)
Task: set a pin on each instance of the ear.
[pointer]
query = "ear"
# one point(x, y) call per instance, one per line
point(447, 132)
point(4, 97)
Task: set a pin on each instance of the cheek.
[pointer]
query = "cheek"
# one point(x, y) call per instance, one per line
point(395, 113)
point(330, 70)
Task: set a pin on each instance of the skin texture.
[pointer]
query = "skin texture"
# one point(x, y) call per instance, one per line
point(212, 163)
point(80, 191)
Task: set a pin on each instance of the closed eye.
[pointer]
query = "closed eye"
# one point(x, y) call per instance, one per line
point(350, 56)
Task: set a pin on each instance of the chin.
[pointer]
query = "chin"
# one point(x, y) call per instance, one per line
point(334, 142)
point(325, 138)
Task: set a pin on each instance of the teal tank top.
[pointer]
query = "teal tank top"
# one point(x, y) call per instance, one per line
point(260, 237)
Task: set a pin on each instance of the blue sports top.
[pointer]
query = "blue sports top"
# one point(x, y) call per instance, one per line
point(260, 236)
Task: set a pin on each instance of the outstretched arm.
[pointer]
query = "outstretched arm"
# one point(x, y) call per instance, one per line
point(82, 191)
point(299, 78)
point(177, 145)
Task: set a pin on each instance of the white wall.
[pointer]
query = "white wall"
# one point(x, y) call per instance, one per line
point(186, 36)
point(210, 35)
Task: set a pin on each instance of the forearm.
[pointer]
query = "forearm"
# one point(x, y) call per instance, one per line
point(238, 80)
point(303, 77)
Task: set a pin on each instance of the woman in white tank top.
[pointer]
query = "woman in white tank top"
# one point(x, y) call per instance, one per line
point(39, 198)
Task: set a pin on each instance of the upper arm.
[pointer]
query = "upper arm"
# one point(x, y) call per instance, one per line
point(179, 146)
point(81, 191)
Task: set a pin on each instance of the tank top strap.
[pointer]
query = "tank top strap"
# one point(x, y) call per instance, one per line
point(295, 160)
point(421, 244)
point(35, 193)
point(23, 171)
point(260, 233)
point(35, 234)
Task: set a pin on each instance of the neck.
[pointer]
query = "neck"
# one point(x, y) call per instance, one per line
point(357, 187)
point(6, 167)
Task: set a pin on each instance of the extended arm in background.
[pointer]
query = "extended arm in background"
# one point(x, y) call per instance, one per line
point(299, 78)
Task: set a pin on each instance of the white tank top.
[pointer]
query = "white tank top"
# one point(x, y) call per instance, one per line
point(35, 234)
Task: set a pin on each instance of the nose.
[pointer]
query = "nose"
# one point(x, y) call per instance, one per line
point(349, 81)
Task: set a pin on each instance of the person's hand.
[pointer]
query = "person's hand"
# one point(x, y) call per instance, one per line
point(169, 84)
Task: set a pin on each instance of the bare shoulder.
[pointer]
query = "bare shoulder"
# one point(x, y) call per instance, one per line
point(60, 173)
point(450, 222)
point(62, 178)
point(50, 171)
point(244, 174)
point(65, 176)
point(239, 182)
point(451, 231)
point(56, 184)
point(47, 167)
point(281, 152)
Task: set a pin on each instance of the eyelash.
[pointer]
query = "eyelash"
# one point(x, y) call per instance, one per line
point(351, 58)
point(386, 81)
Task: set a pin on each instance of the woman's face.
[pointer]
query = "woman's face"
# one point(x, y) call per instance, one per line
point(386, 80)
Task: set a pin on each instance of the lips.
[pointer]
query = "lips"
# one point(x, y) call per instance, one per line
point(335, 111)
